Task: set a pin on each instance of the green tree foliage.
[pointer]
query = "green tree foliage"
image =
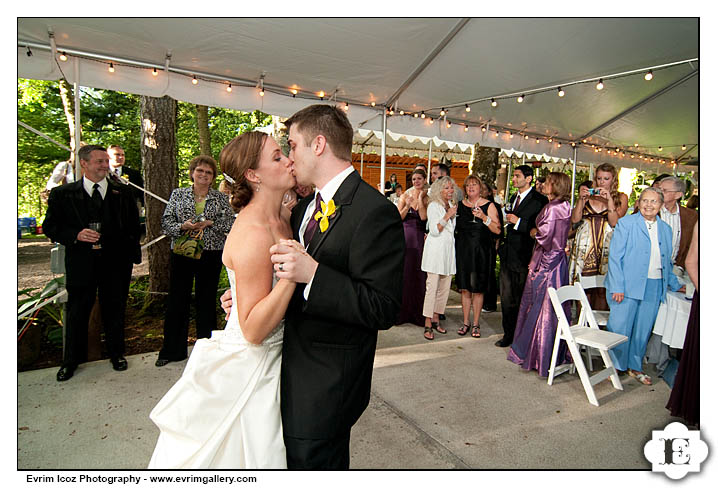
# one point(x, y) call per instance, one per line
point(107, 117)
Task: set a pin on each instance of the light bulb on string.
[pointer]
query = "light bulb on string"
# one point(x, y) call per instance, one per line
point(229, 88)
point(401, 112)
point(442, 113)
point(660, 148)
point(526, 136)
point(649, 75)
point(599, 85)
point(423, 116)
point(154, 72)
point(483, 129)
point(561, 93)
point(63, 56)
point(321, 94)
point(635, 145)
point(261, 92)
point(111, 69)
point(346, 106)
point(520, 98)
point(538, 140)
point(466, 128)
point(496, 134)
point(448, 124)
point(559, 145)
point(683, 147)
point(373, 104)
point(468, 109)
point(294, 92)
point(194, 80)
point(494, 103)
point(511, 135)
point(550, 140)
point(416, 114)
point(431, 120)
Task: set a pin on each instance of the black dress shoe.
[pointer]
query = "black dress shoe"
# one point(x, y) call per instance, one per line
point(119, 363)
point(161, 362)
point(65, 373)
point(502, 343)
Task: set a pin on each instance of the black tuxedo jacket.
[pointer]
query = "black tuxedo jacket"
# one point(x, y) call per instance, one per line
point(515, 252)
point(330, 339)
point(67, 214)
point(135, 177)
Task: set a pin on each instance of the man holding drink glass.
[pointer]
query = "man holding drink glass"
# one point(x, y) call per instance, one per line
point(98, 223)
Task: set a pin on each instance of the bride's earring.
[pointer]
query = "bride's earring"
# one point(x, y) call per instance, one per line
point(259, 182)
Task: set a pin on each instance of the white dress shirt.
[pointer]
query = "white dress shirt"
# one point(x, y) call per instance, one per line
point(89, 186)
point(654, 264)
point(327, 192)
point(513, 207)
point(673, 219)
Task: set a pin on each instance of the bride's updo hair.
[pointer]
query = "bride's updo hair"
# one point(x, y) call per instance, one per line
point(239, 155)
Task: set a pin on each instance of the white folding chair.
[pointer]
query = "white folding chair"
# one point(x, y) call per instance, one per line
point(586, 332)
point(593, 282)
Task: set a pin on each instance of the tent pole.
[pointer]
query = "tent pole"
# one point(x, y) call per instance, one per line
point(573, 176)
point(361, 171)
point(428, 166)
point(383, 154)
point(509, 173)
point(78, 129)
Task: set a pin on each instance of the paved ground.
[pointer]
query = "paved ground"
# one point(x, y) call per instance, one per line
point(453, 403)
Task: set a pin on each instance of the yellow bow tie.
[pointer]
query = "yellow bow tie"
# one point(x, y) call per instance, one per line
point(323, 216)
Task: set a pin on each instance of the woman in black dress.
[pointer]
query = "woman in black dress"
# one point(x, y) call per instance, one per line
point(477, 222)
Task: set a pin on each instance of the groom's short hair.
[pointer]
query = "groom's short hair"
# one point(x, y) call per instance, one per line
point(329, 121)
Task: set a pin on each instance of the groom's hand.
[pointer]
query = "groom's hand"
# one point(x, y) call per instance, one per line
point(292, 262)
point(226, 301)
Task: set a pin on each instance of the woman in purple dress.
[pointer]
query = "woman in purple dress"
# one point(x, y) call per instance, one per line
point(412, 207)
point(537, 322)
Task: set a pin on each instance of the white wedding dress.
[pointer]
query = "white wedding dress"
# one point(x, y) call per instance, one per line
point(223, 413)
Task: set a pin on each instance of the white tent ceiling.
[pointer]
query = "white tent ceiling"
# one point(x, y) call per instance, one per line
point(416, 65)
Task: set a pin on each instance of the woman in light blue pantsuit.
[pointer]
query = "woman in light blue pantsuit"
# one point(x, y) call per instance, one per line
point(640, 271)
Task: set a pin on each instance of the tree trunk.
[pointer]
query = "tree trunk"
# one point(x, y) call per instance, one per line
point(205, 138)
point(68, 102)
point(486, 162)
point(159, 160)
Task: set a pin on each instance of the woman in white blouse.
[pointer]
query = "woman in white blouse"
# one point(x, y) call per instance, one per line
point(438, 259)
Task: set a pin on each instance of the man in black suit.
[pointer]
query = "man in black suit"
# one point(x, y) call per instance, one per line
point(96, 263)
point(515, 252)
point(117, 166)
point(353, 267)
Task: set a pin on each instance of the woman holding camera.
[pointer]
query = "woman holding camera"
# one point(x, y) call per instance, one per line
point(191, 210)
point(599, 208)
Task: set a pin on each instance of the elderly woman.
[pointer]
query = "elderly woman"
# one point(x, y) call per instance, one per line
point(598, 210)
point(438, 259)
point(536, 324)
point(191, 209)
point(477, 222)
point(639, 273)
point(412, 208)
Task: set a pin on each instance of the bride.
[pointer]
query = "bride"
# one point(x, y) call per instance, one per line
point(224, 410)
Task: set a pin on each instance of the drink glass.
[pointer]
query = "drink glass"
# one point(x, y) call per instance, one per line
point(96, 226)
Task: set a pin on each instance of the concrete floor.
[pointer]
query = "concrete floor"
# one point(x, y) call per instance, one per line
point(451, 403)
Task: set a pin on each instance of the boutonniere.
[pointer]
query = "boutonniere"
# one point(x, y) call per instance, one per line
point(323, 216)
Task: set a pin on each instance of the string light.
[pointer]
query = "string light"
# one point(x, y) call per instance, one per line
point(635, 145)
point(448, 124)
point(294, 92)
point(111, 69)
point(550, 140)
point(520, 98)
point(526, 136)
point(401, 112)
point(321, 94)
point(561, 93)
point(494, 103)
point(154, 72)
point(373, 104)
point(683, 147)
point(511, 135)
point(559, 145)
point(346, 106)
point(416, 114)
point(649, 75)
point(538, 140)
point(194, 80)
point(660, 148)
point(573, 145)
point(229, 88)
point(599, 85)
point(466, 128)
point(63, 56)
point(261, 92)
point(442, 113)
point(633, 156)
point(431, 120)
point(423, 116)
point(391, 111)
point(483, 129)
point(468, 109)
point(496, 134)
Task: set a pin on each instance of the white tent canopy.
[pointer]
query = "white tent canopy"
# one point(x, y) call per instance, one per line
point(412, 65)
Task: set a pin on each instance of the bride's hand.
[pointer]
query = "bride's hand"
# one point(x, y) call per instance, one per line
point(292, 262)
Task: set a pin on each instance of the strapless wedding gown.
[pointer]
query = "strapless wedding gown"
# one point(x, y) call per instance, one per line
point(223, 413)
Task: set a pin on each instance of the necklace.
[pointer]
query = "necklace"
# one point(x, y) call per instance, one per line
point(650, 225)
point(198, 198)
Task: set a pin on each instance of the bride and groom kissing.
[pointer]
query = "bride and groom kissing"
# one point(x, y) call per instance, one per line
point(309, 292)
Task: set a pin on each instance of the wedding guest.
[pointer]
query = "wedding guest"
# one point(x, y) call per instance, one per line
point(639, 273)
point(97, 222)
point(685, 395)
point(598, 211)
point(488, 191)
point(477, 222)
point(412, 208)
point(680, 219)
point(390, 185)
point(438, 259)
point(190, 209)
point(692, 202)
point(536, 324)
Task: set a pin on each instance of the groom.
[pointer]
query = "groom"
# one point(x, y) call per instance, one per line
point(353, 274)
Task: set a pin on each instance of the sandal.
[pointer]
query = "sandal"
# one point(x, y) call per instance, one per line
point(428, 333)
point(463, 330)
point(475, 332)
point(438, 328)
point(641, 377)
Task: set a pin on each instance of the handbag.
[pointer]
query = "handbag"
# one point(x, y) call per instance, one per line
point(190, 244)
